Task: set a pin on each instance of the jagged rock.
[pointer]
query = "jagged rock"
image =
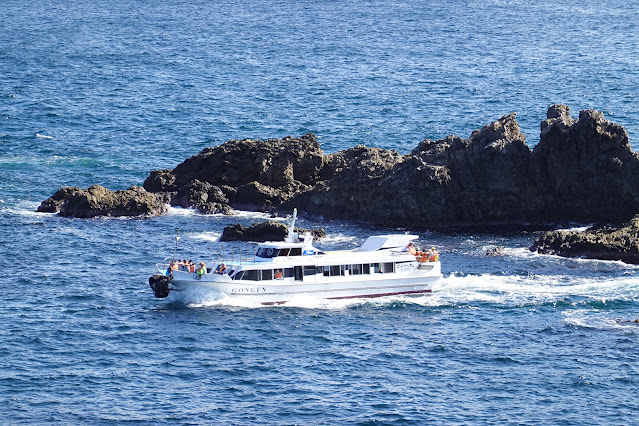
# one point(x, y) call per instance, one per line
point(274, 163)
point(585, 169)
point(264, 231)
point(203, 196)
point(160, 181)
point(349, 177)
point(454, 181)
point(99, 201)
point(595, 243)
point(54, 203)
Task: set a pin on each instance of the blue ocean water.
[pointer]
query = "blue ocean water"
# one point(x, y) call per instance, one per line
point(105, 91)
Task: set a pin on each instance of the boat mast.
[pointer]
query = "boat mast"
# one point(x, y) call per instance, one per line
point(177, 238)
point(291, 227)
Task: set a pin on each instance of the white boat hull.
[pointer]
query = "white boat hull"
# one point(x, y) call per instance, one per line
point(281, 291)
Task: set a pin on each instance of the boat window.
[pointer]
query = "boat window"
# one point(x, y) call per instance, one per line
point(267, 274)
point(323, 270)
point(389, 267)
point(288, 272)
point(284, 252)
point(267, 252)
point(335, 271)
point(366, 269)
point(251, 274)
point(356, 269)
point(238, 276)
point(296, 251)
point(309, 270)
point(377, 268)
point(231, 272)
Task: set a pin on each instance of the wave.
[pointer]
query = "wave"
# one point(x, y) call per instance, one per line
point(534, 289)
point(57, 160)
point(525, 254)
point(23, 208)
point(207, 236)
point(38, 135)
point(180, 211)
point(597, 320)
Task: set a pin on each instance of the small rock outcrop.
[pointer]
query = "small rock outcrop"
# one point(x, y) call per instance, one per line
point(264, 231)
point(99, 201)
point(603, 243)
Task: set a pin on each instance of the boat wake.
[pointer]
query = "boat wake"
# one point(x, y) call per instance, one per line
point(459, 291)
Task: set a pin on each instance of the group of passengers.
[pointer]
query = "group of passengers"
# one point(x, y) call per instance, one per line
point(187, 266)
point(182, 265)
point(423, 255)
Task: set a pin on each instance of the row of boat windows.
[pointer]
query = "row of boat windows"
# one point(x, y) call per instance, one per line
point(268, 252)
point(327, 271)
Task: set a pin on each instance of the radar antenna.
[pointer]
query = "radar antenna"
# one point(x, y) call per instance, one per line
point(291, 228)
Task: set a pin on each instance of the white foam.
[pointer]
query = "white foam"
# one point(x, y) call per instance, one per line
point(524, 253)
point(179, 211)
point(38, 135)
point(534, 289)
point(207, 236)
point(23, 208)
point(587, 318)
point(241, 214)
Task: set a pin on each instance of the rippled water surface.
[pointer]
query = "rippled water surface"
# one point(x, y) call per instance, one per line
point(103, 92)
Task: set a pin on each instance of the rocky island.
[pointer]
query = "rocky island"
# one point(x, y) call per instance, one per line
point(582, 170)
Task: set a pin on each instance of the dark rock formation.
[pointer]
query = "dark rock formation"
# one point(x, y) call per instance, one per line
point(246, 174)
point(581, 170)
point(99, 201)
point(603, 243)
point(264, 231)
point(451, 182)
point(203, 196)
point(584, 169)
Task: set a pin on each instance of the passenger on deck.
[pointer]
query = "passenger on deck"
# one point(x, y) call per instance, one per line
point(191, 266)
point(202, 269)
point(411, 249)
point(434, 255)
point(170, 268)
point(184, 265)
point(278, 274)
point(221, 269)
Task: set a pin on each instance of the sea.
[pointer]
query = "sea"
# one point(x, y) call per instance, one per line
point(103, 92)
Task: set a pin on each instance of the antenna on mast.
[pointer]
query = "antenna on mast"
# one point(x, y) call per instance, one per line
point(291, 228)
point(177, 238)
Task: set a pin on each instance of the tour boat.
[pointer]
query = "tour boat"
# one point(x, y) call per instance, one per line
point(279, 271)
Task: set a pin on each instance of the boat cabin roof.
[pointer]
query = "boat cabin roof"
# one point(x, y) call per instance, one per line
point(387, 242)
point(374, 243)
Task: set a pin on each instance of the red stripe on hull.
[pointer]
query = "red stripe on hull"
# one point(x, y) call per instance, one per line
point(367, 296)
